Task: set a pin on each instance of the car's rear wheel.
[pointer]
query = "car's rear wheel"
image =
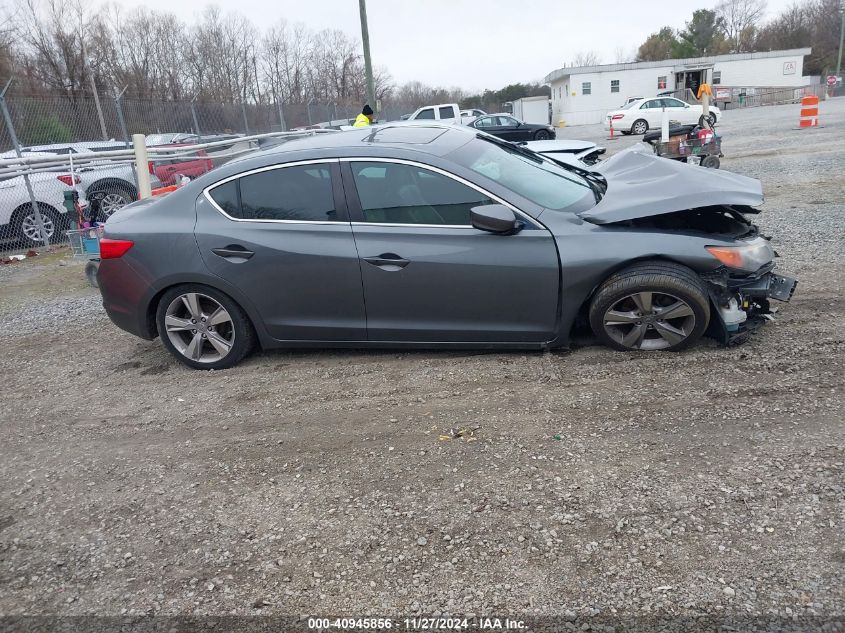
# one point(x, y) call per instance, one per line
point(542, 135)
point(204, 328)
point(650, 306)
point(640, 126)
point(113, 198)
point(28, 229)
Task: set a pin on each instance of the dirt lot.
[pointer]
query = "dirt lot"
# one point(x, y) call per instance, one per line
point(315, 483)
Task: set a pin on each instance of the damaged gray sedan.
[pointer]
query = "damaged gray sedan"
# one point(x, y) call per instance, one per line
point(438, 237)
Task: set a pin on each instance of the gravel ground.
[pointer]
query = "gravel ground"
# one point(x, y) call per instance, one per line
point(594, 483)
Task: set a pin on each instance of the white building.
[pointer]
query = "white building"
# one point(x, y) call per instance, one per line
point(532, 109)
point(583, 94)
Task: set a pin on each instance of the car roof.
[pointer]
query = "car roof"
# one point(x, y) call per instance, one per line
point(436, 140)
point(76, 145)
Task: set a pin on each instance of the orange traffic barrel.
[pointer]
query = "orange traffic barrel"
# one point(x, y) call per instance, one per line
point(809, 112)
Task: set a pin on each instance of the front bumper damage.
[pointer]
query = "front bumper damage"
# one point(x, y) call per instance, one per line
point(742, 301)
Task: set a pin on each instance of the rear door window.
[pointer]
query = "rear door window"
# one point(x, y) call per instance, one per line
point(227, 198)
point(299, 193)
point(447, 113)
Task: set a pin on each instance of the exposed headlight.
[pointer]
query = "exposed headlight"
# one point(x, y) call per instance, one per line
point(749, 257)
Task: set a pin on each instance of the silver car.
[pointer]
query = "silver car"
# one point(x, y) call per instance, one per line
point(440, 237)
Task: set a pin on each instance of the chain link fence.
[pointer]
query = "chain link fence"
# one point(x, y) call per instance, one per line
point(34, 206)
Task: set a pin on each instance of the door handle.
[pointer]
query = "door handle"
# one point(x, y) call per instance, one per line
point(233, 251)
point(388, 259)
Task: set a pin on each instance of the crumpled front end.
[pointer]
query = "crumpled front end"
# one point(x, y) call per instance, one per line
point(743, 300)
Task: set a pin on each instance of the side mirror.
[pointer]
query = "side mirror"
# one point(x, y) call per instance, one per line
point(686, 105)
point(495, 218)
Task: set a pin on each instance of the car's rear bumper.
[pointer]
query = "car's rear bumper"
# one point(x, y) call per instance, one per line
point(125, 297)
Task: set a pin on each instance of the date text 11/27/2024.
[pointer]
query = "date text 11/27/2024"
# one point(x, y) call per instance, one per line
point(416, 624)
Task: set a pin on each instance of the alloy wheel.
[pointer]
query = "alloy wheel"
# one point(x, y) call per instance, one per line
point(640, 127)
point(649, 321)
point(199, 327)
point(111, 202)
point(30, 230)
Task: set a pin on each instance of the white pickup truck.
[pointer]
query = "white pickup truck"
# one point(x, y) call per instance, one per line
point(445, 112)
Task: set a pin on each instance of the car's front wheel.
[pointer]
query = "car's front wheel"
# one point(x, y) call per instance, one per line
point(650, 306)
point(640, 127)
point(204, 328)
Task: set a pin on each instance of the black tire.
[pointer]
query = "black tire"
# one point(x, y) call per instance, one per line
point(542, 135)
point(640, 126)
point(107, 205)
point(711, 162)
point(663, 279)
point(244, 333)
point(25, 222)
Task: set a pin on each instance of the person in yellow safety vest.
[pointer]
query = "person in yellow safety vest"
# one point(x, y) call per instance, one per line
point(365, 118)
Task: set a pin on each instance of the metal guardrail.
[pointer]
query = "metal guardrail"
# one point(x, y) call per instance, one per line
point(32, 213)
point(13, 164)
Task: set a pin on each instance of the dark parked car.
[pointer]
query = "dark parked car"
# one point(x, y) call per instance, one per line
point(449, 237)
point(510, 128)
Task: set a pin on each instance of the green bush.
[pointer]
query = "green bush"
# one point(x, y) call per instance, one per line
point(47, 130)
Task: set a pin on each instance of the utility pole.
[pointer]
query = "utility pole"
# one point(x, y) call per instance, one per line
point(368, 64)
point(94, 92)
point(841, 39)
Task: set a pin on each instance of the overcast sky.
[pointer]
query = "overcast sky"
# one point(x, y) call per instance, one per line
point(474, 44)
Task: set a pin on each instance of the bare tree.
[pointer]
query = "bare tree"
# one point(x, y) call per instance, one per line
point(52, 45)
point(739, 17)
point(622, 56)
point(586, 58)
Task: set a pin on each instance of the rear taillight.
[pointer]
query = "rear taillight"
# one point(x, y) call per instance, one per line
point(616, 117)
point(69, 180)
point(112, 249)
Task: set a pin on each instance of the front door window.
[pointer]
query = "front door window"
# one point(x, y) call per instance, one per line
point(393, 193)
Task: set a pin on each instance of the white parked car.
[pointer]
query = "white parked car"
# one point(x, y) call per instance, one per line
point(17, 218)
point(629, 100)
point(114, 180)
point(637, 117)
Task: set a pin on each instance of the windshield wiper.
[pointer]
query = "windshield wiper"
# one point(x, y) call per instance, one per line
point(595, 181)
point(511, 147)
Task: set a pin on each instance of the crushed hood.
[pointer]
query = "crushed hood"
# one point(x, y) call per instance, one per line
point(640, 185)
point(560, 145)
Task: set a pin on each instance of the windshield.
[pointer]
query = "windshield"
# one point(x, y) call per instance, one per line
point(531, 176)
point(160, 139)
